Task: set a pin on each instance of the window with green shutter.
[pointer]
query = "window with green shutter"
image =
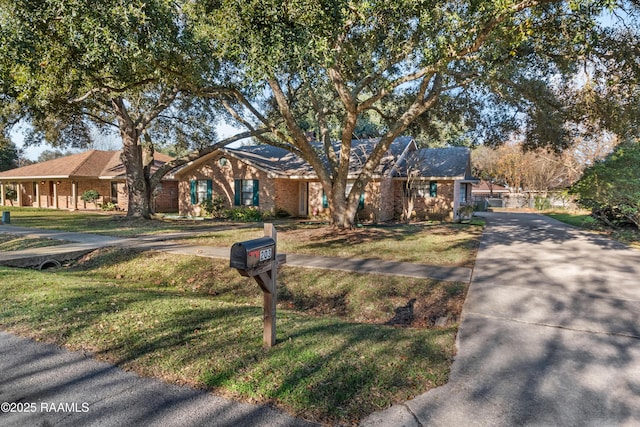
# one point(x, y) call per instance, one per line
point(193, 190)
point(433, 189)
point(247, 192)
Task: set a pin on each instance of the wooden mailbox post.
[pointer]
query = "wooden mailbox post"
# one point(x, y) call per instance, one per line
point(259, 259)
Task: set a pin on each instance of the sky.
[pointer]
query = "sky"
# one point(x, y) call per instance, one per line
point(105, 143)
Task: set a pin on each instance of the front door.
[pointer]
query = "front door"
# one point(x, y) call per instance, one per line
point(303, 208)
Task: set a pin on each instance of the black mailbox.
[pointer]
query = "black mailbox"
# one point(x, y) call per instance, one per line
point(253, 254)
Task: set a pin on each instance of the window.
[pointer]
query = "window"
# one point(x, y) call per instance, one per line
point(246, 192)
point(433, 189)
point(423, 189)
point(463, 193)
point(114, 192)
point(200, 190)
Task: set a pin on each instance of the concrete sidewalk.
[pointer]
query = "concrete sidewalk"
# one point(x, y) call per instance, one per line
point(86, 242)
point(550, 334)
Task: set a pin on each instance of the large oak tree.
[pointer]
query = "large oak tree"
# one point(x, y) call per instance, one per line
point(68, 66)
point(494, 66)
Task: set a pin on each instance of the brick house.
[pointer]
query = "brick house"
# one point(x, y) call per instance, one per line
point(275, 180)
point(59, 183)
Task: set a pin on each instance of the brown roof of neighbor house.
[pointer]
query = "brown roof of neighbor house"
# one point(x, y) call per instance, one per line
point(89, 164)
point(483, 187)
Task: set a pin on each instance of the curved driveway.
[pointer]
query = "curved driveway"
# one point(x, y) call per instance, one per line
point(550, 333)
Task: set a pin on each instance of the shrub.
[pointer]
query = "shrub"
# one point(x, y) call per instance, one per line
point(11, 194)
point(90, 196)
point(611, 187)
point(109, 206)
point(213, 207)
point(466, 211)
point(244, 214)
point(541, 203)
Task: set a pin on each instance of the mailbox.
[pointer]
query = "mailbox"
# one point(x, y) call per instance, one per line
point(252, 255)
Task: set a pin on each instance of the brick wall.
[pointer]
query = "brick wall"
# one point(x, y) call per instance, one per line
point(222, 178)
point(432, 208)
point(166, 197)
point(287, 195)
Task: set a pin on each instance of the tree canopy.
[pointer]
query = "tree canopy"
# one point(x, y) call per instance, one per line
point(466, 72)
point(8, 154)
point(67, 66)
point(474, 71)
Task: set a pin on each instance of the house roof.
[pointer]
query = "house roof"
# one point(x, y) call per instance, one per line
point(449, 162)
point(89, 164)
point(281, 162)
point(483, 187)
point(271, 159)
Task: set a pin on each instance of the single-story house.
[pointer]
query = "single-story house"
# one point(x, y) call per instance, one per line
point(275, 180)
point(60, 183)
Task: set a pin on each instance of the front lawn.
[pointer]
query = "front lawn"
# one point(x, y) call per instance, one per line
point(431, 244)
point(423, 243)
point(195, 321)
point(109, 223)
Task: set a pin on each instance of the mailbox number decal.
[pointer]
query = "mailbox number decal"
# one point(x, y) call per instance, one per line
point(265, 254)
point(262, 254)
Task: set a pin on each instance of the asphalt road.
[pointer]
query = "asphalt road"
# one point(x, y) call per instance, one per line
point(550, 334)
point(42, 385)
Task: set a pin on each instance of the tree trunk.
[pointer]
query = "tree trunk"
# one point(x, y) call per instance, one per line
point(138, 188)
point(343, 209)
point(136, 168)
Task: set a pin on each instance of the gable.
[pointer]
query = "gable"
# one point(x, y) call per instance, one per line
point(89, 164)
point(449, 162)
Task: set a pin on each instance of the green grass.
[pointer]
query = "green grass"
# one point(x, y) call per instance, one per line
point(9, 243)
point(628, 236)
point(196, 321)
point(576, 219)
point(438, 244)
point(98, 222)
point(431, 244)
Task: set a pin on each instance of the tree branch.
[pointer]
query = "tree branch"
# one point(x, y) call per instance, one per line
point(194, 155)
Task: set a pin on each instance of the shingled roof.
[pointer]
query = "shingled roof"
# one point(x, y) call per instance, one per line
point(89, 164)
point(449, 162)
point(281, 162)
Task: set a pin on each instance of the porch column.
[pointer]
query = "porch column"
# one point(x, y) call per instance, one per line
point(38, 203)
point(74, 196)
point(19, 190)
point(1, 193)
point(456, 199)
point(55, 195)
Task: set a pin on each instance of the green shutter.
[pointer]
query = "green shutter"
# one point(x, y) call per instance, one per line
point(209, 190)
point(194, 195)
point(433, 189)
point(238, 192)
point(325, 201)
point(361, 202)
point(256, 193)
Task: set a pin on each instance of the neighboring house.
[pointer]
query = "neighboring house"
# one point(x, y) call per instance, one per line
point(59, 183)
point(485, 189)
point(489, 194)
point(274, 180)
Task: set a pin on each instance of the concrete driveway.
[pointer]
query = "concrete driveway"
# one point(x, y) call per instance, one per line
point(550, 333)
